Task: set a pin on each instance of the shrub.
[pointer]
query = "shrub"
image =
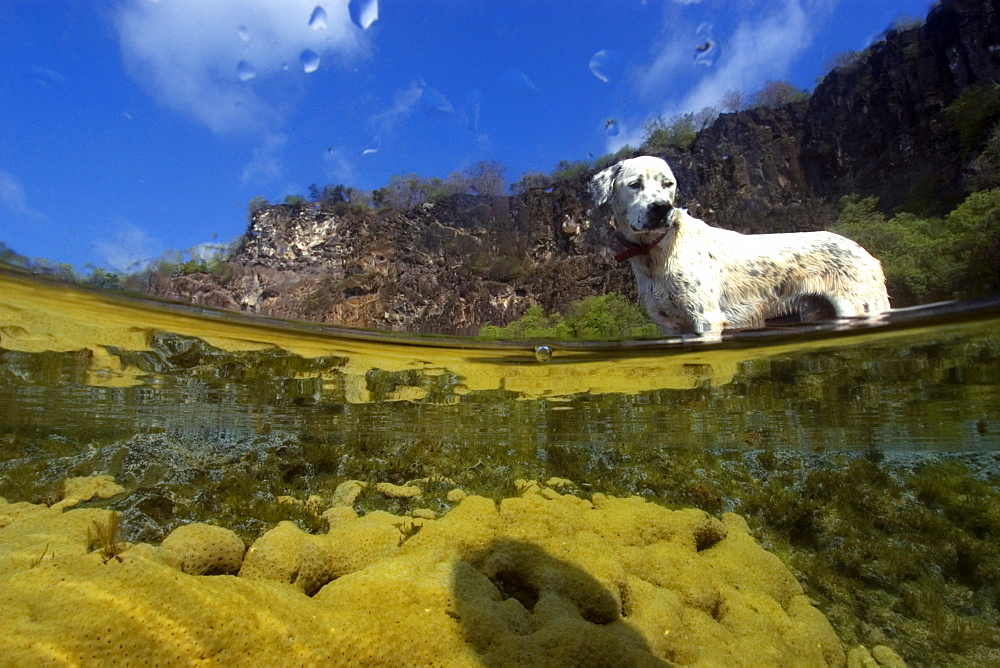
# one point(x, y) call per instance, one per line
point(534, 324)
point(609, 316)
point(975, 227)
point(661, 134)
point(604, 317)
point(776, 94)
point(258, 203)
point(532, 181)
point(567, 171)
point(609, 159)
point(974, 113)
point(985, 169)
point(907, 246)
point(295, 201)
point(930, 259)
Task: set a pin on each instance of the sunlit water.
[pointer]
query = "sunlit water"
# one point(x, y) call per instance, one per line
point(812, 433)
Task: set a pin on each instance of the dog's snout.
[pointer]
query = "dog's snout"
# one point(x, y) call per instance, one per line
point(658, 214)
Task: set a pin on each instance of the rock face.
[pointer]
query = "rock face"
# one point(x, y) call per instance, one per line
point(875, 127)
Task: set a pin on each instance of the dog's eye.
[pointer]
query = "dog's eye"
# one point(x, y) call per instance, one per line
point(668, 184)
point(635, 184)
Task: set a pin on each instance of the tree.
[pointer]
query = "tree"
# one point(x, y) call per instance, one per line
point(732, 101)
point(329, 194)
point(841, 59)
point(705, 117)
point(402, 192)
point(486, 177)
point(532, 181)
point(661, 134)
point(258, 203)
point(776, 94)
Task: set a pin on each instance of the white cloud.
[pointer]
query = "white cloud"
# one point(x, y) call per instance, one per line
point(190, 54)
point(383, 124)
point(339, 165)
point(14, 199)
point(127, 248)
point(762, 47)
point(266, 166)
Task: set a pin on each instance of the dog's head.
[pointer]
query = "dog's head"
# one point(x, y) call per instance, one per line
point(641, 191)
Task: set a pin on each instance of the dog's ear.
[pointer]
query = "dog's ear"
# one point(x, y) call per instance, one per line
point(603, 183)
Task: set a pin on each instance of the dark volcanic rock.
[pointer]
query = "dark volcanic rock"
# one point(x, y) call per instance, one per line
point(875, 127)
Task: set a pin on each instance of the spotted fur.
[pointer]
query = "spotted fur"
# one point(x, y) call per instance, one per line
point(698, 279)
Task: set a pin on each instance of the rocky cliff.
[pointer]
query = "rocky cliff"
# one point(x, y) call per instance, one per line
point(875, 127)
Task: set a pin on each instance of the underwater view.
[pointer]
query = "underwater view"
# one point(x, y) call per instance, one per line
point(489, 334)
point(839, 485)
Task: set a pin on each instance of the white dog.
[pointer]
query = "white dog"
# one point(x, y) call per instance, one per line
point(698, 279)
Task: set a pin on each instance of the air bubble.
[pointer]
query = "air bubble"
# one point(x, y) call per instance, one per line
point(245, 71)
point(310, 61)
point(543, 353)
point(363, 12)
point(317, 20)
point(244, 34)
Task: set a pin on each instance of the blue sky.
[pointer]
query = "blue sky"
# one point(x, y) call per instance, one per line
point(132, 127)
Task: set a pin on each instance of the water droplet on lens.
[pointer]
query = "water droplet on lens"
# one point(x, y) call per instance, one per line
point(611, 127)
point(543, 353)
point(363, 12)
point(244, 34)
point(310, 61)
point(707, 50)
point(317, 21)
point(434, 103)
point(245, 71)
point(518, 82)
point(606, 65)
point(705, 54)
point(473, 109)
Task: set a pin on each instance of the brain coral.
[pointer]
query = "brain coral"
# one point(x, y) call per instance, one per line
point(203, 549)
point(535, 580)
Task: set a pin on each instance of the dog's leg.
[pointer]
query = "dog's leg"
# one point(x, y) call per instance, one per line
point(844, 307)
point(709, 325)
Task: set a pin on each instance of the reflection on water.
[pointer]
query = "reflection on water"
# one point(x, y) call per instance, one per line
point(868, 459)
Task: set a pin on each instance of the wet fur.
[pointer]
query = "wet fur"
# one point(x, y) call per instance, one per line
point(701, 280)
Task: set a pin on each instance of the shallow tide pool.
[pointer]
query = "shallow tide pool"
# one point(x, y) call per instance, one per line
point(865, 455)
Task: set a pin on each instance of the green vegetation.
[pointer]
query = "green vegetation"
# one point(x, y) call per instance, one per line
point(974, 114)
point(567, 171)
point(295, 201)
point(624, 153)
point(776, 94)
point(930, 259)
point(608, 316)
point(660, 134)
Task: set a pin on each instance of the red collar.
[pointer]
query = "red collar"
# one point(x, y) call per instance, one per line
point(638, 249)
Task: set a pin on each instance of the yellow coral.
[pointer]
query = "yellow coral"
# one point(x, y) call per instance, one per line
point(532, 581)
point(202, 549)
point(397, 491)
